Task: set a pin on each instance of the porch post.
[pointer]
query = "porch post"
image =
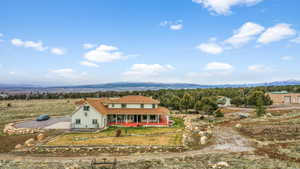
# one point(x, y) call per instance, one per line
point(147, 118)
point(158, 118)
point(126, 116)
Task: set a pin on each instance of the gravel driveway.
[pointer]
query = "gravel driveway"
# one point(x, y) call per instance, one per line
point(52, 123)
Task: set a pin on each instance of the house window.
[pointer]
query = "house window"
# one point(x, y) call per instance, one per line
point(144, 117)
point(124, 105)
point(153, 106)
point(152, 117)
point(142, 106)
point(86, 108)
point(113, 105)
point(77, 121)
point(95, 121)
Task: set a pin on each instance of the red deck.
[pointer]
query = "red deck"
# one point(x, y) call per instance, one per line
point(137, 124)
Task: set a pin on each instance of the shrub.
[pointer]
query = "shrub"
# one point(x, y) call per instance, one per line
point(118, 132)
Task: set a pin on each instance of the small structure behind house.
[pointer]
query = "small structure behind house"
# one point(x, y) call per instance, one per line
point(284, 97)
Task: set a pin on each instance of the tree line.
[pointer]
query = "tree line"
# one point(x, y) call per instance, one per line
point(205, 100)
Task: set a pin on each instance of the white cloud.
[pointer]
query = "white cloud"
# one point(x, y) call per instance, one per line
point(89, 64)
point(211, 48)
point(218, 66)
point(63, 71)
point(276, 33)
point(287, 58)
point(224, 6)
point(17, 42)
point(104, 53)
point(88, 45)
point(57, 51)
point(244, 34)
point(173, 25)
point(147, 69)
point(12, 73)
point(259, 68)
point(176, 27)
point(296, 40)
point(29, 44)
point(1, 35)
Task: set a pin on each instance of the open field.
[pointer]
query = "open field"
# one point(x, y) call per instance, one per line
point(21, 109)
point(130, 136)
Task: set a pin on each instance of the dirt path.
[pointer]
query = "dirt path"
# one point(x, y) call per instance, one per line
point(227, 140)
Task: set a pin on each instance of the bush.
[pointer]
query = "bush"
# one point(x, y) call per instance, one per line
point(8, 104)
point(218, 113)
point(118, 132)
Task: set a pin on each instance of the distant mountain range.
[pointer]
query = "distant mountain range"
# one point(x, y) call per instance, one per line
point(125, 86)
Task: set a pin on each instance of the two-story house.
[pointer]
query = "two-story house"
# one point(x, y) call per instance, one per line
point(130, 111)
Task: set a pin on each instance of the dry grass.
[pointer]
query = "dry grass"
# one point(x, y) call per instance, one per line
point(21, 109)
point(173, 139)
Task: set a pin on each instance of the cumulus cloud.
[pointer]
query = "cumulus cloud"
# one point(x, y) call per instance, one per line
point(287, 58)
point(244, 34)
point(224, 6)
point(210, 48)
point(259, 68)
point(29, 44)
point(218, 66)
point(147, 69)
point(276, 33)
point(173, 25)
point(104, 53)
point(57, 51)
point(88, 46)
point(89, 64)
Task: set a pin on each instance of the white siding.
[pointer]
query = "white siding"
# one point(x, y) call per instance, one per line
point(132, 106)
point(86, 118)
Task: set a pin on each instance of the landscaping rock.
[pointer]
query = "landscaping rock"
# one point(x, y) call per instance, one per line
point(203, 140)
point(29, 142)
point(41, 137)
point(18, 146)
point(238, 125)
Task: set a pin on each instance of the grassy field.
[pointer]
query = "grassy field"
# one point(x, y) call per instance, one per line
point(130, 136)
point(21, 109)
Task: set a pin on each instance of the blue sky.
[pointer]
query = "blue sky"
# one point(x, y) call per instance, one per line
point(54, 42)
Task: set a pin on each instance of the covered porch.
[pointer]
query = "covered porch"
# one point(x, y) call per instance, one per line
point(138, 120)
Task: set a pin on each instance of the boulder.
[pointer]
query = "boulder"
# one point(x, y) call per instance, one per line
point(269, 115)
point(41, 137)
point(243, 115)
point(29, 141)
point(203, 140)
point(238, 125)
point(18, 146)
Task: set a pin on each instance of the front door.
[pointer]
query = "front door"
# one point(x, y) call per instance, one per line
point(137, 118)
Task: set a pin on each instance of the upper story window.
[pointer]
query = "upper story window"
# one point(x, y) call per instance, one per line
point(124, 105)
point(142, 106)
point(86, 108)
point(113, 105)
point(153, 106)
point(78, 121)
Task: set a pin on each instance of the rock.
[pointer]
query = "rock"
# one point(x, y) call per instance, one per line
point(269, 115)
point(238, 125)
point(203, 140)
point(18, 146)
point(41, 137)
point(222, 164)
point(243, 115)
point(29, 141)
